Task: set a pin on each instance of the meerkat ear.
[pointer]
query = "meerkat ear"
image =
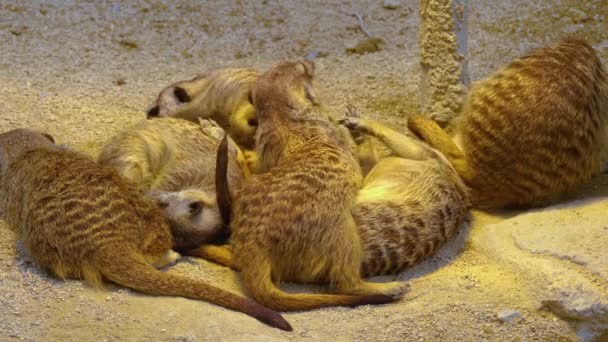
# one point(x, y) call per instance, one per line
point(182, 95)
point(153, 112)
point(309, 67)
point(50, 137)
point(310, 94)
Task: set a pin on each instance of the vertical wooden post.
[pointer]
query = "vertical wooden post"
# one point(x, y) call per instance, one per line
point(443, 48)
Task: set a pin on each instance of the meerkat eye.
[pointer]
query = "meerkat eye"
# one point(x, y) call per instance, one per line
point(196, 207)
point(181, 95)
point(253, 122)
point(162, 204)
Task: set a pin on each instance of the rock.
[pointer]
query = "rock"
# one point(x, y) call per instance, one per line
point(559, 253)
point(577, 16)
point(364, 46)
point(392, 4)
point(507, 315)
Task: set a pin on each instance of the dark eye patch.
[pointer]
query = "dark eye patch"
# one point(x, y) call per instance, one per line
point(196, 207)
point(181, 95)
point(253, 122)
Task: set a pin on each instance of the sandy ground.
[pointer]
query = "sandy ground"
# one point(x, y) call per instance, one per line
point(84, 70)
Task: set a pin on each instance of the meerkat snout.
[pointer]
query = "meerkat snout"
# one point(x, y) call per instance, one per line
point(153, 112)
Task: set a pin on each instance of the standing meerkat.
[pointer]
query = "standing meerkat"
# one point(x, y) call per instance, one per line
point(223, 95)
point(293, 221)
point(78, 219)
point(411, 202)
point(533, 132)
point(174, 160)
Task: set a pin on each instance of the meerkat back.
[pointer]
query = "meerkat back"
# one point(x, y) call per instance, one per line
point(406, 210)
point(534, 131)
point(78, 219)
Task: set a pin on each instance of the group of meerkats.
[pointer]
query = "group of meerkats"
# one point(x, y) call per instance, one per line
point(300, 194)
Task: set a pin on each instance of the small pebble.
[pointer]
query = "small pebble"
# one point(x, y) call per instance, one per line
point(392, 4)
point(508, 315)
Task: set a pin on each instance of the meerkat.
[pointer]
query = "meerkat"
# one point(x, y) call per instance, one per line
point(410, 203)
point(78, 219)
point(223, 95)
point(293, 221)
point(533, 132)
point(174, 162)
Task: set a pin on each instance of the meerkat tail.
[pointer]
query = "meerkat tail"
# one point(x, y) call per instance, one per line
point(217, 254)
point(259, 281)
point(130, 272)
point(429, 131)
point(224, 201)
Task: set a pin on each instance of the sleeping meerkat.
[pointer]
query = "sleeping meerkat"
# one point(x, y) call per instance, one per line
point(410, 204)
point(78, 219)
point(175, 160)
point(293, 221)
point(533, 132)
point(222, 95)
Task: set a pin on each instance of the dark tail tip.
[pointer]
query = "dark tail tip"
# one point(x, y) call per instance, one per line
point(270, 317)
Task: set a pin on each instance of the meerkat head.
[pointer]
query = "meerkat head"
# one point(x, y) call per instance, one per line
point(192, 214)
point(18, 141)
point(287, 84)
point(168, 101)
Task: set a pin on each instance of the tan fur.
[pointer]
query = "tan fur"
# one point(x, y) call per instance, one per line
point(533, 132)
point(293, 221)
point(220, 94)
point(410, 204)
point(176, 160)
point(78, 219)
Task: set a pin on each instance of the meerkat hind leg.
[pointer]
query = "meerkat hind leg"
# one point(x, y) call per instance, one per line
point(221, 255)
point(346, 274)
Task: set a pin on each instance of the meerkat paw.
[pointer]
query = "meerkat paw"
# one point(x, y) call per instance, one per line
point(211, 128)
point(168, 259)
point(356, 125)
point(393, 289)
point(396, 289)
point(251, 160)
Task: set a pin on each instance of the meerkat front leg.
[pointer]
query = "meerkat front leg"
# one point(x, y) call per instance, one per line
point(362, 144)
point(400, 144)
point(211, 128)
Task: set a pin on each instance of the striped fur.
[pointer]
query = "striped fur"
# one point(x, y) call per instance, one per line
point(533, 132)
point(410, 204)
point(176, 160)
point(292, 222)
point(78, 219)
